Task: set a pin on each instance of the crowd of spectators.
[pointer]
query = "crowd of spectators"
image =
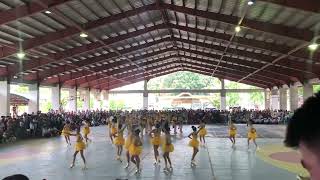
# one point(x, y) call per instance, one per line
point(50, 124)
point(259, 116)
point(43, 124)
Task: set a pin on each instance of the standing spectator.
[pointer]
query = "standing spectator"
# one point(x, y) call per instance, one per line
point(303, 132)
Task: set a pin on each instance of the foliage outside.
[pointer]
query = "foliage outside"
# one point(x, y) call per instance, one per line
point(116, 105)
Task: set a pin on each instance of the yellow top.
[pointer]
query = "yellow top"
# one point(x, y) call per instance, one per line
point(79, 138)
point(253, 130)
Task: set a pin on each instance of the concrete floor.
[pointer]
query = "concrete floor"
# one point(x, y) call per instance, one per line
point(50, 158)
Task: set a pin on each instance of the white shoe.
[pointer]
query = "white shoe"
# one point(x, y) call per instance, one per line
point(84, 167)
point(193, 163)
point(138, 171)
point(126, 167)
point(71, 166)
point(155, 163)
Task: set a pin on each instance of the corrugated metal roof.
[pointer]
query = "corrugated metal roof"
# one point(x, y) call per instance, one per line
point(110, 47)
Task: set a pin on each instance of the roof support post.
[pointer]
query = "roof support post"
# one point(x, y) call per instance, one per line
point(56, 97)
point(33, 105)
point(223, 100)
point(145, 95)
point(4, 97)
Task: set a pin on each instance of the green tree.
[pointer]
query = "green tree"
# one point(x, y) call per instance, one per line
point(22, 89)
point(215, 100)
point(116, 105)
point(184, 80)
point(79, 103)
point(316, 88)
point(91, 102)
point(257, 98)
point(233, 99)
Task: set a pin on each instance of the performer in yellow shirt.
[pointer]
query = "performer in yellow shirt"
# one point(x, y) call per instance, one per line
point(135, 150)
point(252, 135)
point(156, 142)
point(79, 147)
point(202, 132)
point(194, 143)
point(66, 132)
point(167, 148)
point(119, 141)
point(128, 141)
point(86, 131)
point(232, 133)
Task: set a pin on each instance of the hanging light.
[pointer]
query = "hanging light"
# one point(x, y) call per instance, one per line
point(48, 12)
point(251, 2)
point(313, 46)
point(84, 35)
point(237, 29)
point(21, 55)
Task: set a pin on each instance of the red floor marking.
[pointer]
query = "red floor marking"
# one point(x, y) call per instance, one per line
point(18, 153)
point(289, 157)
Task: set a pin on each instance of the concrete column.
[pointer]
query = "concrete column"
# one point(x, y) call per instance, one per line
point(86, 100)
point(145, 95)
point(96, 99)
point(72, 103)
point(105, 99)
point(307, 91)
point(56, 97)
point(283, 98)
point(33, 105)
point(275, 99)
point(223, 99)
point(4, 98)
point(293, 94)
point(267, 99)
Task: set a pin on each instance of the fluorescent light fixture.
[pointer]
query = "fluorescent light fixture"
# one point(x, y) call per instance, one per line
point(313, 46)
point(250, 2)
point(21, 55)
point(237, 29)
point(84, 35)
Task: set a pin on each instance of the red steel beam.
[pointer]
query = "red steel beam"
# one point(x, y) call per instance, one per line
point(224, 76)
point(281, 49)
point(196, 70)
point(256, 79)
point(292, 75)
point(224, 66)
point(232, 60)
point(292, 32)
point(228, 70)
point(58, 57)
point(131, 76)
point(292, 65)
point(271, 73)
point(28, 9)
point(128, 13)
point(77, 75)
point(285, 63)
point(70, 31)
point(90, 78)
point(72, 52)
point(305, 5)
point(97, 59)
point(135, 79)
